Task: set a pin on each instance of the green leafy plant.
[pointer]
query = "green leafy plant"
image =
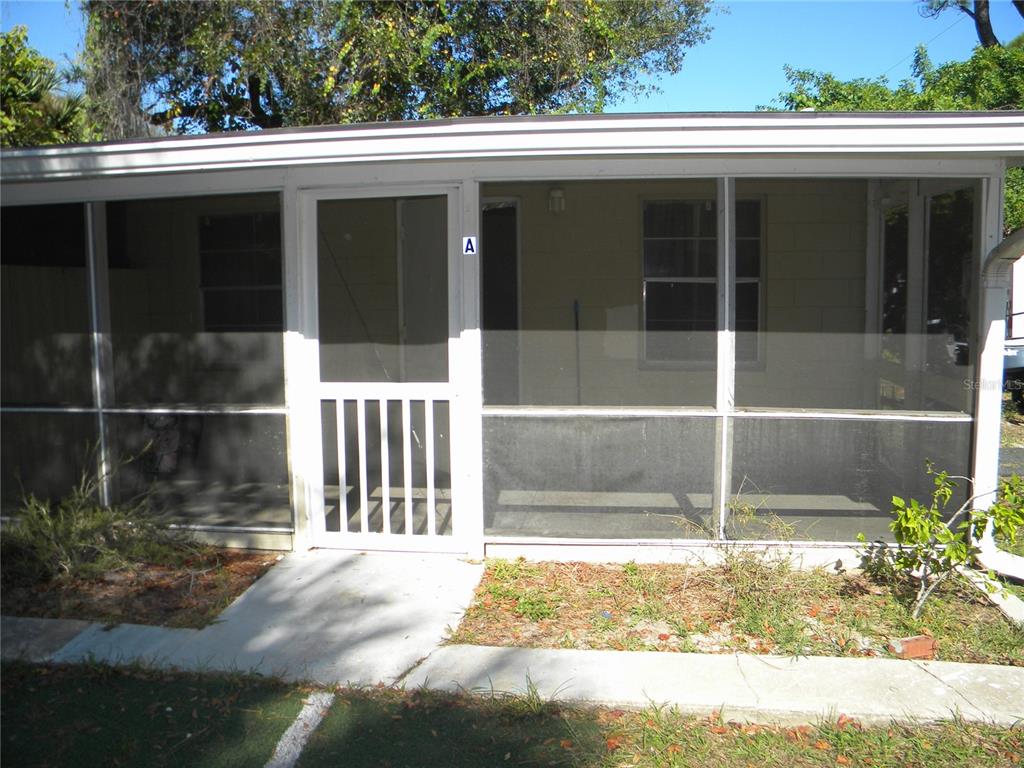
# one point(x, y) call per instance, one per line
point(79, 537)
point(931, 545)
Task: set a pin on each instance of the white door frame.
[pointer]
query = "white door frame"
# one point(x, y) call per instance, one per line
point(305, 391)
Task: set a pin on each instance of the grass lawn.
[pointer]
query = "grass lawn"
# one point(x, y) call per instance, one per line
point(388, 728)
point(99, 716)
point(749, 603)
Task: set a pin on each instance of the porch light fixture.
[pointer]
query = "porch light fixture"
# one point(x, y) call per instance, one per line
point(556, 200)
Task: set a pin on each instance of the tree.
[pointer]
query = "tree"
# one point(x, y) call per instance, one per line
point(33, 109)
point(190, 66)
point(977, 10)
point(992, 79)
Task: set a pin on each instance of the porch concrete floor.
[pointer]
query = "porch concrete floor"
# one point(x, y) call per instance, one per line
point(322, 615)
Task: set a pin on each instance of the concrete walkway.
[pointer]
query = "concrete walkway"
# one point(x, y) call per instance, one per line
point(765, 689)
point(325, 616)
point(361, 619)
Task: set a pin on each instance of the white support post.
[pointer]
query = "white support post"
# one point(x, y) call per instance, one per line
point(467, 380)
point(991, 333)
point(302, 365)
point(102, 354)
point(725, 395)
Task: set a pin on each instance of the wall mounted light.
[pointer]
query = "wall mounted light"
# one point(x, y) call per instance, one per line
point(556, 200)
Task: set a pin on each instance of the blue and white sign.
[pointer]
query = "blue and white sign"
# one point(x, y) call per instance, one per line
point(469, 246)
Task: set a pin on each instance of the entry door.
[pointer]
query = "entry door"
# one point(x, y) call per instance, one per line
point(383, 289)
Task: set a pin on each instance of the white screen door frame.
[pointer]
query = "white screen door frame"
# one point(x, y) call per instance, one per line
point(371, 526)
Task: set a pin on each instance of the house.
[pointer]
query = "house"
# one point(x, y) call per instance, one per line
point(544, 334)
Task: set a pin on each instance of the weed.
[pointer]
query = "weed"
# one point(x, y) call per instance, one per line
point(534, 605)
point(650, 610)
point(643, 581)
point(78, 537)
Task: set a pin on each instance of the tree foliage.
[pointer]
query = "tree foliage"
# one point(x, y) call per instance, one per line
point(33, 109)
point(189, 66)
point(992, 79)
point(976, 10)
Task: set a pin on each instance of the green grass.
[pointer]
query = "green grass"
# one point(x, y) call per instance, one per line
point(93, 715)
point(389, 728)
point(750, 602)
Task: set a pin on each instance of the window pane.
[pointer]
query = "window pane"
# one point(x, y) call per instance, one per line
point(581, 334)
point(44, 303)
point(221, 469)
point(829, 480)
point(680, 320)
point(748, 218)
point(196, 306)
point(44, 454)
point(604, 478)
point(677, 218)
point(748, 258)
point(383, 289)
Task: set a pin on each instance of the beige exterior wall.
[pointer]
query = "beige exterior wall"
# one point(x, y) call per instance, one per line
point(814, 256)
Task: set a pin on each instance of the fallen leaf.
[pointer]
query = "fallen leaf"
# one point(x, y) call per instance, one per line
point(615, 714)
point(845, 721)
point(664, 636)
point(719, 729)
point(843, 760)
point(824, 746)
point(613, 743)
point(813, 611)
point(565, 743)
point(673, 749)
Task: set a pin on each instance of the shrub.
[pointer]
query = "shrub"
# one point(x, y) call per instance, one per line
point(932, 548)
point(78, 537)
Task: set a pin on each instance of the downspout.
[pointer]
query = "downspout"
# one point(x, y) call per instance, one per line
point(995, 283)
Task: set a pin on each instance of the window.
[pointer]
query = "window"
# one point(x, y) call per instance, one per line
point(240, 264)
point(680, 287)
point(680, 248)
point(748, 280)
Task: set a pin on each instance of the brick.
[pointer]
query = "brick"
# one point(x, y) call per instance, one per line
point(916, 647)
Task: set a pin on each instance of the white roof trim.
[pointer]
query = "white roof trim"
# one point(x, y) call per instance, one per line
point(992, 134)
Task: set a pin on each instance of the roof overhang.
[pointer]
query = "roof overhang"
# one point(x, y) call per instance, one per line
point(763, 134)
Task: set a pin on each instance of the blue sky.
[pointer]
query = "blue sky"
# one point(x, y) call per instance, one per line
point(739, 68)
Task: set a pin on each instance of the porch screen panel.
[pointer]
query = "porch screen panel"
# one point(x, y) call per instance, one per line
point(382, 274)
point(841, 322)
point(831, 479)
point(195, 399)
point(614, 301)
point(48, 434)
point(227, 470)
point(598, 478)
point(45, 356)
point(44, 454)
point(196, 307)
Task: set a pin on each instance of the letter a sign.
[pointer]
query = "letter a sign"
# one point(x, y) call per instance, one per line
point(469, 246)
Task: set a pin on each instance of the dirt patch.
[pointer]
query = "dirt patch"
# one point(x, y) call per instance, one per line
point(748, 604)
point(191, 594)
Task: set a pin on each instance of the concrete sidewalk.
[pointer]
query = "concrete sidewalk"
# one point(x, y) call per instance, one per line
point(362, 619)
point(743, 687)
point(325, 616)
